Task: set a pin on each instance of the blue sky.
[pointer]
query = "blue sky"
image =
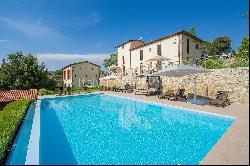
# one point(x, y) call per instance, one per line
point(65, 31)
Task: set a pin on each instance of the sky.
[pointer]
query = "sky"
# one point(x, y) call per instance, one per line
point(60, 32)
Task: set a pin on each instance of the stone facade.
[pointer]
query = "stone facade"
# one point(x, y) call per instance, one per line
point(234, 80)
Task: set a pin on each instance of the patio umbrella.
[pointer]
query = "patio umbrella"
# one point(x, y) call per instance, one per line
point(110, 77)
point(158, 58)
point(113, 67)
point(180, 70)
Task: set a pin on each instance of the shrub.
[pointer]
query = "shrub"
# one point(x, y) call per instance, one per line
point(42, 92)
point(84, 89)
point(10, 119)
point(213, 64)
point(238, 63)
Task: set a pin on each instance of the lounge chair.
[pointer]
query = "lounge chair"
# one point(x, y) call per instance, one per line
point(152, 91)
point(221, 99)
point(178, 96)
point(141, 91)
point(166, 94)
point(115, 89)
point(127, 89)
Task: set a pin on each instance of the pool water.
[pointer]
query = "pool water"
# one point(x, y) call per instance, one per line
point(104, 129)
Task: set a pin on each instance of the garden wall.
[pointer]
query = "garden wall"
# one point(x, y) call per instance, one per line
point(234, 80)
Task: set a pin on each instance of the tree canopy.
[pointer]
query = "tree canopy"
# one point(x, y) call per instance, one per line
point(23, 72)
point(192, 31)
point(243, 50)
point(111, 60)
point(217, 47)
point(242, 54)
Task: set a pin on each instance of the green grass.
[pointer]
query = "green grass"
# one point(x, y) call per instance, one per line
point(10, 119)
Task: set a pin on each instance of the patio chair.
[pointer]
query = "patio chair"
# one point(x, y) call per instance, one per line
point(178, 96)
point(166, 94)
point(152, 91)
point(221, 99)
point(114, 89)
point(127, 88)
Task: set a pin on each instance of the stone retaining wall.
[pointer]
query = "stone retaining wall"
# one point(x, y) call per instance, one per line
point(234, 80)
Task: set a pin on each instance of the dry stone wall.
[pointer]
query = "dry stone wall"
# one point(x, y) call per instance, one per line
point(234, 80)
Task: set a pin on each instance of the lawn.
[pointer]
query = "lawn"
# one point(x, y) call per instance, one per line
point(10, 119)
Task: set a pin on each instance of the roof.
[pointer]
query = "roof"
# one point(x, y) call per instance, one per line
point(168, 36)
point(128, 42)
point(80, 63)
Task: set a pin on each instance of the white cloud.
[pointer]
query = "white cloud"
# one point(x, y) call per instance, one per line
point(3, 41)
point(54, 61)
point(34, 29)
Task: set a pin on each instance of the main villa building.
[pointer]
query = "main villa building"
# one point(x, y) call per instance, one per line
point(180, 47)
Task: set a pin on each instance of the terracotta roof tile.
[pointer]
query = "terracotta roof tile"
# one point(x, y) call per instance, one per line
point(168, 36)
point(128, 42)
point(80, 63)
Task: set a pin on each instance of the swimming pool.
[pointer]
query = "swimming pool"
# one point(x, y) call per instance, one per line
point(105, 129)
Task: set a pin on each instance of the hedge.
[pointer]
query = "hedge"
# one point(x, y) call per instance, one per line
point(10, 120)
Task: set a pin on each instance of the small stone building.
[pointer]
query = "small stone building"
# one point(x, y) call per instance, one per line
point(80, 74)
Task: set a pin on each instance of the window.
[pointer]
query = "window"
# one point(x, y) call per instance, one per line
point(86, 75)
point(68, 74)
point(123, 61)
point(197, 46)
point(188, 46)
point(159, 50)
point(149, 49)
point(64, 75)
point(92, 68)
point(122, 46)
point(141, 55)
point(96, 76)
point(75, 75)
point(80, 68)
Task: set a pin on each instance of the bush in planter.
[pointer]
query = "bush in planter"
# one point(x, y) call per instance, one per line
point(43, 91)
point(10, 119)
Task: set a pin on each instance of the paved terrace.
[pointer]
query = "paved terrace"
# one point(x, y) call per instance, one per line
point(233, 147)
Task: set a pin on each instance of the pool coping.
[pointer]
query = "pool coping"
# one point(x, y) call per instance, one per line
point(184, 108)
point(32, 157)
point(142, 100)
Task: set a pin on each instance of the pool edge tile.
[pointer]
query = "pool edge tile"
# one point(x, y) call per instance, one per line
point(186, 109)
point(32, 157)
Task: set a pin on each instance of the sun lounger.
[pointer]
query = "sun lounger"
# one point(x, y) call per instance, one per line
point(152, 91)
point(127, 89)
point(166, 94)
point(141, 91)
point(116, 89)
point(221, 99)
point(178, 96)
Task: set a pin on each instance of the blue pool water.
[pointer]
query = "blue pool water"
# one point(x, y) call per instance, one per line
point(103, 129)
